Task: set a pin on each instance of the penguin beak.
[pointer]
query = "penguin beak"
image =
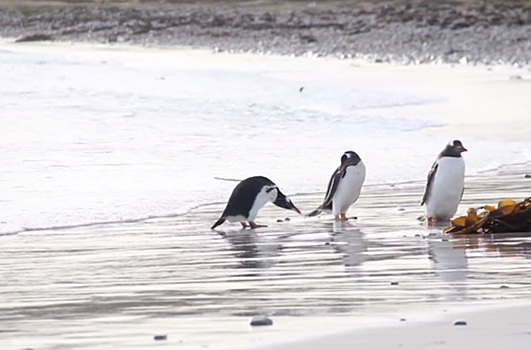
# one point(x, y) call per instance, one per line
point(284, 202)
point(462, 149)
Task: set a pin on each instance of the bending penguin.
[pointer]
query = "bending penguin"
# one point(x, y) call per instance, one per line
point(446, 183)
point(344, 186)
point(248, 197)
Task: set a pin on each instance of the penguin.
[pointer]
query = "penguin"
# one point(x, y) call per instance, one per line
point(248, 197)
point(446, 183)
point(344, 187)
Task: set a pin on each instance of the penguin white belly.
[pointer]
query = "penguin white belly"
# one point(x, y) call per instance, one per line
point(349, 188)
point(446, 189)
point(236, 218)
point(260, 200)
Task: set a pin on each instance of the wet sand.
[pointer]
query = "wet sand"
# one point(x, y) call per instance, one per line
point(119, 285)
point(494, 328)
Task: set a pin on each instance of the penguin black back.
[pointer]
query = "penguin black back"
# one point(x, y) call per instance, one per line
point(242, 198)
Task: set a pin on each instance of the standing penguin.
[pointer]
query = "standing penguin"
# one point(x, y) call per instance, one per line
point(344, 186)
point(248, 197)
point(446, 183)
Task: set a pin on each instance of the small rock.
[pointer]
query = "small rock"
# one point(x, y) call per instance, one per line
point(515, 77)
point(261, 321)
point(402, 320)
point(527, 176)
point(394, 283)
point(401, 209)
point(280, 220)
point(287, 219)
point(503, 286)
point(301, 89)
point(460, 323)
point(160, 337)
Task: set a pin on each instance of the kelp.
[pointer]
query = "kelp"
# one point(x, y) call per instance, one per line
point(509, 216)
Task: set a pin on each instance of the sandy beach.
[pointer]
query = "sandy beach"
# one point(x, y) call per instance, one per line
point(110, 183)
point(490, 328)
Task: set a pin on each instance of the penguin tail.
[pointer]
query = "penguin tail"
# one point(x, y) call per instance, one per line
point(315, 212)
point(219, 222)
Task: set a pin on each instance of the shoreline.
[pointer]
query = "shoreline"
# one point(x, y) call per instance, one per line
point(428, 32)
point(487, 326)
point(311, 277)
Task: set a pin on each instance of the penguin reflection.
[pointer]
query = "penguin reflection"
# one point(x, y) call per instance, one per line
point(350, 242)
point(251, 251)
point(450, 264)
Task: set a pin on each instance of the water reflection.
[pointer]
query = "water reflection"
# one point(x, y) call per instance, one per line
point(348, 241)
point(506, 244)
point(252, 251)
point(450, 263)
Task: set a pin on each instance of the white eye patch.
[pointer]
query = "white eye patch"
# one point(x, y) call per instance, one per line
point(270, 188)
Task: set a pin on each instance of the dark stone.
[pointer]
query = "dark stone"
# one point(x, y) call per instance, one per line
point(160, 337)
point(261, 321)
point(503, 286)
point(460, 323)
point(34, 37)
point(402, 320)
point(280, 220)
point(394, 283)
point(287, 219)
point(527, 176)
point(309, 38)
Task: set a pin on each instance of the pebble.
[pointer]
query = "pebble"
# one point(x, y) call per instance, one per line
point(503, 286)
point(527, 176)
point(287, 219)
point(394, 283)
point(460, 323)
point(261, 321)
point(160, 337)
point(280, 220)
point(402, 320)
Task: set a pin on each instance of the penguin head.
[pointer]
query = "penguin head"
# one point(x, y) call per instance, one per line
point(454, 148)
point(349, 158)
point(280, 200)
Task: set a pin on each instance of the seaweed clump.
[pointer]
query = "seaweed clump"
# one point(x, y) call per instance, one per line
point(509, 216)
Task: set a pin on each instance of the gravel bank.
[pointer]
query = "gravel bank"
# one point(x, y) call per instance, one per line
point(428, 31)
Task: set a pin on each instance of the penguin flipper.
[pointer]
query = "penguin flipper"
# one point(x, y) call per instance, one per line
point(429, 182)
point(219, 222)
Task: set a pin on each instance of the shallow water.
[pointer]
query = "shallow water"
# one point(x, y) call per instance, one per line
point(119, 285)
point(94, 134)
point(98, 135)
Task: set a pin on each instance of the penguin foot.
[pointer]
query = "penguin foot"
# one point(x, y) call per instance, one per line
point(343, 216)
point(254, 225)
point(244, 224)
